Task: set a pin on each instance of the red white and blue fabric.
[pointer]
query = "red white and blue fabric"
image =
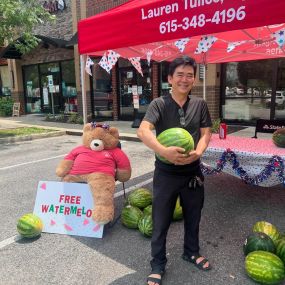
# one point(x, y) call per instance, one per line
point(108, 60)
point(136, 63)
point(88, 65)
point(180, 44)
point(233, 45)
point(279, 38)
point(205, 44)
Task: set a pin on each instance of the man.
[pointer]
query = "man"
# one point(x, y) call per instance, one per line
point(183, 177)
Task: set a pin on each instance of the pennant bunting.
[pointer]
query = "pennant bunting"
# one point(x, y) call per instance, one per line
point(136, 63)
point(233, 45)
point(88, 65)
point(108, 60)
point(180, 44)
point(205, 44)
point(148, 56)
point(279, 37)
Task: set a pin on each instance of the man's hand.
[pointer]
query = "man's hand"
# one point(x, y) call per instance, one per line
point(173, 153)
point(187, 158)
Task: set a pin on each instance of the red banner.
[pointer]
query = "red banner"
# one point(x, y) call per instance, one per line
point(138, 22)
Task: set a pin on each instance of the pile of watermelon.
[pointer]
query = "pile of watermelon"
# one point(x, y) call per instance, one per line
point(264, 249)
point(137, 213)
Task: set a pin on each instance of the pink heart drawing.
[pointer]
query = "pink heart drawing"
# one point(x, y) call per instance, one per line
point(67, 227)
point(52, 222)
point(96, 228)
point(85, 222)
point(44, 186)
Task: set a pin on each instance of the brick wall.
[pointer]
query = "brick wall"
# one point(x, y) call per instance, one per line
point(212, 98)
point(79, 102)
point(97, 6)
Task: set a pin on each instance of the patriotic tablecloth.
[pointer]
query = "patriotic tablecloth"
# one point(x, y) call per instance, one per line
point(255, 161)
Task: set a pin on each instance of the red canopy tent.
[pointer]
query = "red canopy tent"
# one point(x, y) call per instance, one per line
point(138, 26)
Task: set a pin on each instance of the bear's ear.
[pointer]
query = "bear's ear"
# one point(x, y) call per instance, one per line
point(114, 132)
point(87, 127)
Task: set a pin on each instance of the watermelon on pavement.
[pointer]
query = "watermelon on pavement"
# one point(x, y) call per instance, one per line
point(29, 226)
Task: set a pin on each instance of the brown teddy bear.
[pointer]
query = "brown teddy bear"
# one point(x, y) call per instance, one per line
point(98, 162)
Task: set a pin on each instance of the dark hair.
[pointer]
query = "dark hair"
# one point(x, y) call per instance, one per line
point(182, 60)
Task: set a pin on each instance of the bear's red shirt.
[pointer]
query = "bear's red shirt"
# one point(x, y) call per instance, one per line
point(89, 161)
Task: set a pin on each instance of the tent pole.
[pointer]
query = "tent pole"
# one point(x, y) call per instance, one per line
point(204, 83)
point(83, 90)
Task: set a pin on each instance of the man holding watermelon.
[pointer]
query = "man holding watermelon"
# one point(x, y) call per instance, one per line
point(177, 171)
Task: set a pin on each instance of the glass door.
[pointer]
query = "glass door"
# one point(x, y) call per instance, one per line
point(50, 88)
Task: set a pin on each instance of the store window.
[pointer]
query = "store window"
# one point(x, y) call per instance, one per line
point(32, 89)
point(247, 90)
point(102, 91)
point(68, 84)
point(5, 83)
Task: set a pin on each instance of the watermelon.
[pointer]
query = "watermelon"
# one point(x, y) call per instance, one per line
point(258, 241)
point(130, 216)
point(177, 214)
point(29, 226)
point(175, 137)
point(267, 228)
point(280, 249)
point(140, 198)
point(145, 225)
point(264, 267)
point(278, 137)
point(147, 210)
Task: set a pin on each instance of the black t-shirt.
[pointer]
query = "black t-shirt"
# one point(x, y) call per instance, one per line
point(163, 113)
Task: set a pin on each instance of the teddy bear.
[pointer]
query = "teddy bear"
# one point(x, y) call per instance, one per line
point(99, 162)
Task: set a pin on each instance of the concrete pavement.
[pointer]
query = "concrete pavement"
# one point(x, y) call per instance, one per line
point(125, 128)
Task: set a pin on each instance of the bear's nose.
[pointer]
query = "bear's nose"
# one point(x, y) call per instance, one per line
point(96, 144)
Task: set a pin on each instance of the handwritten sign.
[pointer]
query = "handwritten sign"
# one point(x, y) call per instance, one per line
point(66, 208)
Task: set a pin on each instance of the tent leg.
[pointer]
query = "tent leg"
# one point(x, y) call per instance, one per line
point(204, 82)
point(83, 90)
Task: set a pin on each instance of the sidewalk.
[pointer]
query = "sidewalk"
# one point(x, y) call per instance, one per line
point(125, 127)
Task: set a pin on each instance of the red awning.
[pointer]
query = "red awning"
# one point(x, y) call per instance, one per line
point(133, 28)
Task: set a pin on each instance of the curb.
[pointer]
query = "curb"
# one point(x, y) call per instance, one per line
point(31, 137)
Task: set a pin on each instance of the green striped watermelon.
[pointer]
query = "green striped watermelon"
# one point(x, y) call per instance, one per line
point(177, 214)
point(264, 267)
point(130, 216)
point(29, 226)
point(280, 249)
point(145, 225)
point(175, 137)
point(258, 241)
point(267, 228)
point(140, 198)
point(147, 210)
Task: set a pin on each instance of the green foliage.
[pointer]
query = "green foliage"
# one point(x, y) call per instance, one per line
point(6, 106)
point(216, 125)
point(72, 118)
point(18, 18)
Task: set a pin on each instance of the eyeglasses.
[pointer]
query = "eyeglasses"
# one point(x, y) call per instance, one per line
point(103, 126)
point(182, 117)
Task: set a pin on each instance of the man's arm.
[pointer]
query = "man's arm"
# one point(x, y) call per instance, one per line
point(145, 133)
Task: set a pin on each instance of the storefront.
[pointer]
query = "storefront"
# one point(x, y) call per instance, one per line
point(50, 87)
point(253, 90)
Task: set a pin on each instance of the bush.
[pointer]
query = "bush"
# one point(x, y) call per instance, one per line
point(216, 125)
point(6, 106)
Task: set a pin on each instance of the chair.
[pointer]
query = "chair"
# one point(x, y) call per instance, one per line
point(268, 126)
point(16, 109)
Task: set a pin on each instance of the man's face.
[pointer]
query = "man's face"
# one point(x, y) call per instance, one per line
point(182, 80)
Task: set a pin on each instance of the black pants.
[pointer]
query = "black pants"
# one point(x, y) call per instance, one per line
point(166, 189)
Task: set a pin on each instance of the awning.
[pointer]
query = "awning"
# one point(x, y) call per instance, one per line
point(73, 41)
point(10, 52)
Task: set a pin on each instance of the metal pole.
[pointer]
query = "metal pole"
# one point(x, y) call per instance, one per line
point(204, 83)
point(83, 90)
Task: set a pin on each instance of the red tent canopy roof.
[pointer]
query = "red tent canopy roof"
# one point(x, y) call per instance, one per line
point(128, 28)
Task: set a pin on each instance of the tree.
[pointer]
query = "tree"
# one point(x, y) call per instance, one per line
point(17, 20)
